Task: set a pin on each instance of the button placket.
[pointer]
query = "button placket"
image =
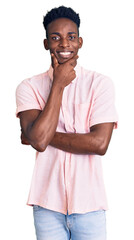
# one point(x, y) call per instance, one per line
point(68, 155)
point(66, 112)
point(67, 177)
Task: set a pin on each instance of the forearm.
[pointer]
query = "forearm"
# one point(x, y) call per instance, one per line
point(39, 126)
point(76, 143)
point(42, 130)
point(94, 142)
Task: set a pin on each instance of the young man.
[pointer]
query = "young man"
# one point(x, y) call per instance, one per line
point(67, 114)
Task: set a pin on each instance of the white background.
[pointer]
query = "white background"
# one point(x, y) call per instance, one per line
point(107, 29)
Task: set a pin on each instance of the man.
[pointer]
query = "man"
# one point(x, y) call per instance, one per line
point(67, 114)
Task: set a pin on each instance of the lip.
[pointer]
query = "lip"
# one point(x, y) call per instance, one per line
point(65, 54)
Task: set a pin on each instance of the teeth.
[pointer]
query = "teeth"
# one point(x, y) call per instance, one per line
point(64, 53)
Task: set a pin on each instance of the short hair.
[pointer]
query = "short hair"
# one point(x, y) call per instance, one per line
point(61, 12)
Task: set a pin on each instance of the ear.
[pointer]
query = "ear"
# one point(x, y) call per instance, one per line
point(80, 42)
point(46, 44)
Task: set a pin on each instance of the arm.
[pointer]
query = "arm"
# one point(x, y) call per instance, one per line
point(95, 142)
point(24, 140)
point(39, 127)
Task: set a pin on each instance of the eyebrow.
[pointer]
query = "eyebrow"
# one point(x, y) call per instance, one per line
point(72, 33)
point(57, 33)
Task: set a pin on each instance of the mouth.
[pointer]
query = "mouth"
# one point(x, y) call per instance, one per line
point(65, 54)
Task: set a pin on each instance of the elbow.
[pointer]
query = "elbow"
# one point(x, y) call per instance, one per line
point(102, 149)
point(39, 145)
point(102, 152)
point(38, 140)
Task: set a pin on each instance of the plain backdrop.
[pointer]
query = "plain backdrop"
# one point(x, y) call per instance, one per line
point(107, 30)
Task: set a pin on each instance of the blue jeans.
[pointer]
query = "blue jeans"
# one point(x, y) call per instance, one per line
point(52, 225)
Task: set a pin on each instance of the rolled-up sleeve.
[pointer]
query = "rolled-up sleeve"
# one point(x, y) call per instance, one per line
point(26, 98)
point(103, 108)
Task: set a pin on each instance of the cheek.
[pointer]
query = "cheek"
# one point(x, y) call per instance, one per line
point(76, 49)
point(52, 47)
point(76, 46)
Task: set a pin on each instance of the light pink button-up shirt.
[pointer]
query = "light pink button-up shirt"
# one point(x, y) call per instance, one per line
point(61, 180)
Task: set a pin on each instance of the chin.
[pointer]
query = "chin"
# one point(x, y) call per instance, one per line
point(63, 60)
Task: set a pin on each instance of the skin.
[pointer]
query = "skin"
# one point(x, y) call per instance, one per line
point(63, 37)
point(39, 127)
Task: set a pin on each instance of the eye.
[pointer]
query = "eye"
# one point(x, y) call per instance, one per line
point(55, 38)
point(71, 37)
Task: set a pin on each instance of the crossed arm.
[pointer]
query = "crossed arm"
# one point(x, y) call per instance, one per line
point(94, 142)
point(39, 127)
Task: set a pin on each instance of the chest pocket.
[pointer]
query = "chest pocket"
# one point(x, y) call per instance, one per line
point(82, 117)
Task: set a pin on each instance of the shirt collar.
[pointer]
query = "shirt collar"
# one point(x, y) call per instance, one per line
point(77, 69)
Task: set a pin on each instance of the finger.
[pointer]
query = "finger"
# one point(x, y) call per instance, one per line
point(75, 57)
point(54, 61)
point(73, 60)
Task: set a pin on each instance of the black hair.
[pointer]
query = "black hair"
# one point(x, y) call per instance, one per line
point(61, 12)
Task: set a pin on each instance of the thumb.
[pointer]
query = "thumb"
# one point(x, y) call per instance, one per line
point(54, 61)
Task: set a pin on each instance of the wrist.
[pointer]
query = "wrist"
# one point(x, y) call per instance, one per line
point(57, 86)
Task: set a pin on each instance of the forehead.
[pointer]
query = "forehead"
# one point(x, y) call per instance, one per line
point(62, 25)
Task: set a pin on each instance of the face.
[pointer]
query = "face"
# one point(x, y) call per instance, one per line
point(63, 40)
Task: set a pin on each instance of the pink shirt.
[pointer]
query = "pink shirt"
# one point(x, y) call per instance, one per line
point(63, 181)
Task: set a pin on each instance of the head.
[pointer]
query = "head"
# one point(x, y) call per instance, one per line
point(62, 33)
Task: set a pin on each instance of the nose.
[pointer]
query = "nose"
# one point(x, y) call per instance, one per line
point(64, 43)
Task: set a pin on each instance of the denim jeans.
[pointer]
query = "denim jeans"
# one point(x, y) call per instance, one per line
point(52, 225)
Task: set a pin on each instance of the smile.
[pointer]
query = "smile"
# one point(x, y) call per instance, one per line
point(65, 54)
